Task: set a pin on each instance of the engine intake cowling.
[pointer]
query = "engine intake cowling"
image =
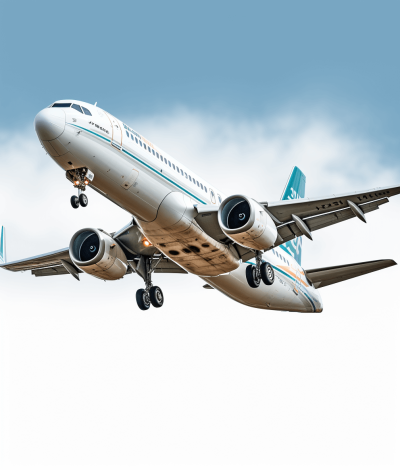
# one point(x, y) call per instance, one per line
point(96, 253)
point(245, 221)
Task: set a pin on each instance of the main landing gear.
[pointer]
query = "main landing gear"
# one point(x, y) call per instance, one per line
point(150, 295)
point(80, 178)
point(262, 271)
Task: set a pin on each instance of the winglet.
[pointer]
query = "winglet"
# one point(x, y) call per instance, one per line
point(3, 257)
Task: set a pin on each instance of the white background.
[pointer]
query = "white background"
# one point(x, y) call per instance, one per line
point(89, 381)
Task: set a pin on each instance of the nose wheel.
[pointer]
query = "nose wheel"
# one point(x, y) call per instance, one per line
point(81, 200)
point(80, 178)
point(75, 202)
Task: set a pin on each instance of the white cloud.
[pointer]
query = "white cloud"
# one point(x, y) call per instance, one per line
point(91, 382)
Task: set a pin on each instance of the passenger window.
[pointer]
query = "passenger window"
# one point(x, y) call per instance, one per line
point(127, 133)
point(86, 111)
point(173, 166)
point(219, 199)
point(132, 137)
point(198, 184)
point(212, 196)
point(136, 139)
point(77, 107)
point(169, 163)
point(205, 189)
point(190, 178)
point(185, 175)
point(149, 149)
point(161, 158)
point(158, 156)
point(177, 169)
point(165, 161)
point(144, 145)
point(153, 151)
point(194, 181)
point(201, 186)
point(140, 142)
point(182, 172)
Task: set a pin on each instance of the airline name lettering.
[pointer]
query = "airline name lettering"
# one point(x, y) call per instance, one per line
point(99, 127)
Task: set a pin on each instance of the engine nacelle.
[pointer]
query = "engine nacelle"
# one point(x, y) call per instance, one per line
point(96, 253)
point(246, 222)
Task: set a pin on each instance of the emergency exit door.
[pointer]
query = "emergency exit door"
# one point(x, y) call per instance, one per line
point(116, 132)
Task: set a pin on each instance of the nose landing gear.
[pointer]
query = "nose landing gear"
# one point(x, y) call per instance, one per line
point(262, 271)
point(80, 178)
point(150, 295)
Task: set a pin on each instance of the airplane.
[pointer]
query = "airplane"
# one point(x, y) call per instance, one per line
point(248, 250)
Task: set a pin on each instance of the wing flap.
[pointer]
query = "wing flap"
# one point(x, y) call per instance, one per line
point(52, 271)
point(323, 277)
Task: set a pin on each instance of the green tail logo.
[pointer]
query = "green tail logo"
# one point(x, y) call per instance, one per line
point(294, 189)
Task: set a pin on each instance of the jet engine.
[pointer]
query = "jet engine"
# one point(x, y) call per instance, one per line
point(246, 222)
point(96, 253)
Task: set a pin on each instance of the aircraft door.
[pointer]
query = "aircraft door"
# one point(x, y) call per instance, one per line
point(116, 132)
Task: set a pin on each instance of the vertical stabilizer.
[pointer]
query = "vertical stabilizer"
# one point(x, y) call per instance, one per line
point(295, 189)
point(3, 258)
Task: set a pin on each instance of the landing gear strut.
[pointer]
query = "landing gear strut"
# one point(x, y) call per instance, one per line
point(150, 295)
point(262, 271)
point(80, 178)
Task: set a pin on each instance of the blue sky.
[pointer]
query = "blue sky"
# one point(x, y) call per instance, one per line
point(243, 59)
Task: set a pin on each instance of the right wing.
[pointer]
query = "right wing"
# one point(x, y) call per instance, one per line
point(323, 277)
point(59, 262)
point(49, 264)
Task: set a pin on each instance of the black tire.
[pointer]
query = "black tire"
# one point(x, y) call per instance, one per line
point(143, 299)
point(156, 297)
point(83, 199)
point(267, 274)
point(251, 276)
point(75, 202)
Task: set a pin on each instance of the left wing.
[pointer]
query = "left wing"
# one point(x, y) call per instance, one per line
point(297, 217)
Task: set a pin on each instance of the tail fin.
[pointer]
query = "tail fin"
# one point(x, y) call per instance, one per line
point(3, 258)
point(295, 189)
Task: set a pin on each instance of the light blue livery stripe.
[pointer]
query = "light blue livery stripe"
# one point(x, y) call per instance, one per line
point(146, 165)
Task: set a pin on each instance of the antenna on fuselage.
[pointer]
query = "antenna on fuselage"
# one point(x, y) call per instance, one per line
point(95, 103)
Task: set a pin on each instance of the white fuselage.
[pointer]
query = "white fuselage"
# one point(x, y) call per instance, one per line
point(161, 194)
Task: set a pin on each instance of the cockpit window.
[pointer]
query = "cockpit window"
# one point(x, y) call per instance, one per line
point(61, 105)
point(77, 107)
point(86, 111)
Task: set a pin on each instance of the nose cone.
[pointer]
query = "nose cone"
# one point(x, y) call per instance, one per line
point(50, 123)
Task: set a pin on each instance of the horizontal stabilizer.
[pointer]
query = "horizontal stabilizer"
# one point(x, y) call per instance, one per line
point(323, 277)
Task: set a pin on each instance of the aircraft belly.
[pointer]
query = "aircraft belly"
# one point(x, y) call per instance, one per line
point(278, 296)
point(176, 234)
